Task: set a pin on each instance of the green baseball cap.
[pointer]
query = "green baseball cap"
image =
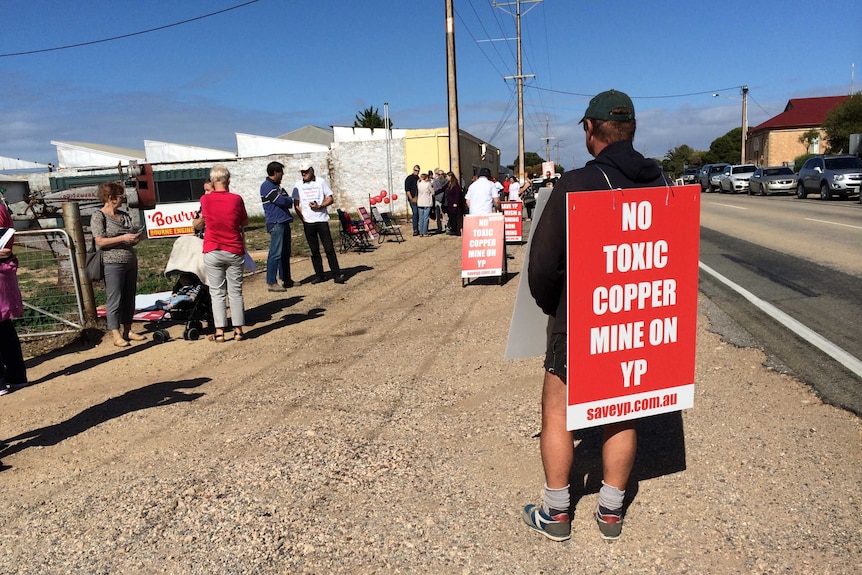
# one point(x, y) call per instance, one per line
point(602, 106)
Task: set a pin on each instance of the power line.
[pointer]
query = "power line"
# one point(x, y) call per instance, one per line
point(467, 29)
point(639, 97)
point(487, 34)
point(90, 43)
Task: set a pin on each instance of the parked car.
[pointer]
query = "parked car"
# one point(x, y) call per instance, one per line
point(706, 175)
point(772, 180)
point(830, 175)
point(689, 175)
point(735, 178)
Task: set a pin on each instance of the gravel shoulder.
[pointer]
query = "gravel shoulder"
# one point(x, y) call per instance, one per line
point(374, 426)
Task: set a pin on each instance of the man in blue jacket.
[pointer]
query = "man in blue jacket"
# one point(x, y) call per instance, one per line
point(609, 129)
point(276, 207)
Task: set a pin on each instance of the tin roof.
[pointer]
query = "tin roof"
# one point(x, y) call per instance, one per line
point(802, 113)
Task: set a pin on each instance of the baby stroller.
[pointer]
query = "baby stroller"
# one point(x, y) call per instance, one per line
point(190, 301)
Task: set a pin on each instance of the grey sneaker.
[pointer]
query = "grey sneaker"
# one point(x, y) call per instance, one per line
point(610, 522)
point(556, 528)
point(4, 389)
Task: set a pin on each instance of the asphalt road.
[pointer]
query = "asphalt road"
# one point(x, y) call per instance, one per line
point(805, 258)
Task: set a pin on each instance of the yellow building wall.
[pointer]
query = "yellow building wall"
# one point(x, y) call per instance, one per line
point(429, 148)
point(779, 147)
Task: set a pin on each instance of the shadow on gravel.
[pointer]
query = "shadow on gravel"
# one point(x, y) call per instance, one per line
point(661, 451)
point(153, 395)
point(289, 319)
point(93, 362)
point(348, 273)
point(88, 338)
point(268, 310)
point(355, 270)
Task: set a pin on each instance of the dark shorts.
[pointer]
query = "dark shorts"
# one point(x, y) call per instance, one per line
point(555, 355)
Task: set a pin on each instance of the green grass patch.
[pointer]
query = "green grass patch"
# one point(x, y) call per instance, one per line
point(153, 254)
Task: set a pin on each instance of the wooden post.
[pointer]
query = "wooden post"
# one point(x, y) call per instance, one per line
point(72, 219)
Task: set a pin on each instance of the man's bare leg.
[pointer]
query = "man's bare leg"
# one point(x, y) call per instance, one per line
point(618, 457)
point(618, 453)
point(556, 441)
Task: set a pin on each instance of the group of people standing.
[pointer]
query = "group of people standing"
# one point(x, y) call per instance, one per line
point(224, 247)
point(220, 221)
point(432, 194)
point(310, 198)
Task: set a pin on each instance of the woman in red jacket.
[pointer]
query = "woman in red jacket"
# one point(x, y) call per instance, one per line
point(224, 250)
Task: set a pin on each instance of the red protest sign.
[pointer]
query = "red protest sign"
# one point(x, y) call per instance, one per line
point(632, 299)
point(482, 246)
point(512, 221)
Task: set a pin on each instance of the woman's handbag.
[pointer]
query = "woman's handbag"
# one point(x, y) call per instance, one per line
point(95, 267)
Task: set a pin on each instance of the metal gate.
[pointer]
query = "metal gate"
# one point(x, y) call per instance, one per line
point(49, 282)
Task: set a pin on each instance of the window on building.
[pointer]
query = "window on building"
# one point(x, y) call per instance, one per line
point(179, 191)
point(814, 146)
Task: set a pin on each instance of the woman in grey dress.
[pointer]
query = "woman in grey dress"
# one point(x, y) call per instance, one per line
point(116, 236)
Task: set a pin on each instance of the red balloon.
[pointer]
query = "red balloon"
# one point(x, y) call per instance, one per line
point(385, 200)
point(383, 193)
point(394, 197)
point(373, 201)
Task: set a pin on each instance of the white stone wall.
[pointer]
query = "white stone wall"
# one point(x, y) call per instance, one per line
point(354, 170)
point(359, 171)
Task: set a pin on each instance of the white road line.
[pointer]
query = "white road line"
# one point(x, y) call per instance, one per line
point(727, 206)
point(806, 333)
point(834, 223)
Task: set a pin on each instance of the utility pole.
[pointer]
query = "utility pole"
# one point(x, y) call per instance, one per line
point(520, 78)
point(558, 150)
point(547, 139)
point(744, 120)
point(388, 128)
point(452, 93)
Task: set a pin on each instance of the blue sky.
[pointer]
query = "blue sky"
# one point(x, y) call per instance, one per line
point(272, 66)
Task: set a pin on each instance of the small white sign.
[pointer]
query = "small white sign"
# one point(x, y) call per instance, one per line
point(171, 220)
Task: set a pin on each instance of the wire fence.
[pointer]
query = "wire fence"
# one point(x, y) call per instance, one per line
point(49, 284)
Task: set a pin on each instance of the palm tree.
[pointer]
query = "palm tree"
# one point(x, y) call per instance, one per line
point(370, 118)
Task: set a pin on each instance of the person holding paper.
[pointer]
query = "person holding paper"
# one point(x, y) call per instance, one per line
point(13, 372)
point(311, 197)
point(224, 253)
point(116, 235)
point(609, 129)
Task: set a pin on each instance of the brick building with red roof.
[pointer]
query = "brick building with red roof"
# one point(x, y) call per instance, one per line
point(776, 142)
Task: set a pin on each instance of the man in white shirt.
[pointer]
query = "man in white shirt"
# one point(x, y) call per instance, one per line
point(311, 197)
point(482, 196)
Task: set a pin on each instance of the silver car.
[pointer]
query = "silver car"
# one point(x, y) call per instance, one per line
point(772, 180)
point(735, 178)
point(830, 175)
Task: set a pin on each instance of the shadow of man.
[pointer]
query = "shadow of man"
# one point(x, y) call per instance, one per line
point(661, 451)
point(153, 395)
